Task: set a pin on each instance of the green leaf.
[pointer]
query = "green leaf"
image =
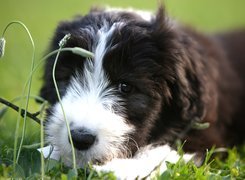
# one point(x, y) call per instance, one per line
point(165, 175)
point(50, 164)
point(19, 172)
point(72, 174)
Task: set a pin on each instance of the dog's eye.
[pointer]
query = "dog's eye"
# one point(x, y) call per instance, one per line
point(125, 88)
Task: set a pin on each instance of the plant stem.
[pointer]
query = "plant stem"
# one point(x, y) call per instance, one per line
point(42, 139)
point(16, 157)
point(63, 111)
point(23, 112)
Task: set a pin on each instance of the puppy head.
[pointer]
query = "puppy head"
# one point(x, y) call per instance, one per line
point(114, 101)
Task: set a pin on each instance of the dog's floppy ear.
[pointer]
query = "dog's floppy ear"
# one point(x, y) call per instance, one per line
point(188, 91)
point(181, 73)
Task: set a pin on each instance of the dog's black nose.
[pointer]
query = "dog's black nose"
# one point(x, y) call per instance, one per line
point(82, 139)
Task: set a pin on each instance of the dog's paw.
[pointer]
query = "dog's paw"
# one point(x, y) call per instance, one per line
point(144, 164)
point(123, 169)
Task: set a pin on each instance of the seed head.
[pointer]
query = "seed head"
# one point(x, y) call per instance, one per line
point(2, 46)
point(64, 40)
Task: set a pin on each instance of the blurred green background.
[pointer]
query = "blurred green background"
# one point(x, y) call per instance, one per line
point(41, 17)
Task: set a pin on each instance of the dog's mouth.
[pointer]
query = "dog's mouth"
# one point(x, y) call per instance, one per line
point(98, 162)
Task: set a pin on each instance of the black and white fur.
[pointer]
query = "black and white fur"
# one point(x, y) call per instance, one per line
point(139, 93)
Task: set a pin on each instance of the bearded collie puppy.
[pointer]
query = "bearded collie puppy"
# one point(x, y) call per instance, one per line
point(151, 81)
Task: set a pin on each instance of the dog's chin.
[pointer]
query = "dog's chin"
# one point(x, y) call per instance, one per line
point(90, 156)
point(83, 159)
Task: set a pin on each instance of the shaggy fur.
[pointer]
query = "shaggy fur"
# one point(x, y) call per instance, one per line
point(172, 76)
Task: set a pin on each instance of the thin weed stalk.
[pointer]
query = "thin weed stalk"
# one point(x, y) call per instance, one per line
point(42, 139)
point(59, 98)
point(80, 52)
point(28, 87)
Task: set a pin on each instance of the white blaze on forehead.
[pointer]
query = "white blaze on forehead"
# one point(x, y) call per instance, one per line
point(104, 35)
point(94, 76)
point(93, 83)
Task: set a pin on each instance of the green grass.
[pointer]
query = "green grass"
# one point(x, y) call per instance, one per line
point(214, 167)
point(41, 17)
point(232, 167)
